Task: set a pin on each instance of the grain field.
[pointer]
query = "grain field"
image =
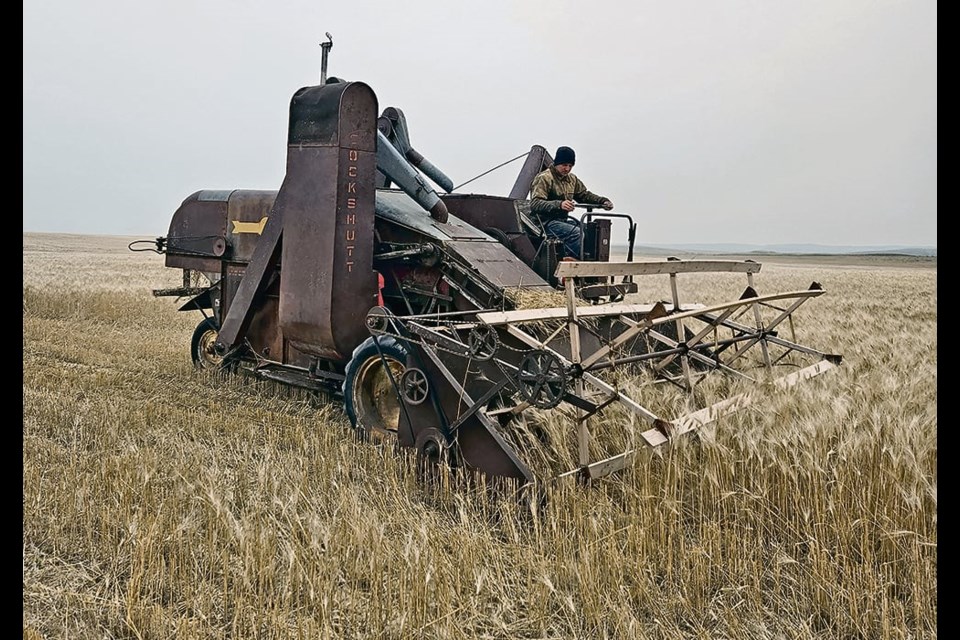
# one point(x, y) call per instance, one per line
point(163, 502)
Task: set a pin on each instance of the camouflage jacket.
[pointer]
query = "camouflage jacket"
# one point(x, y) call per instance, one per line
point(550, 189)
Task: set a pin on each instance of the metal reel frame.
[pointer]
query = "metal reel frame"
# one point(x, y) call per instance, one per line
point(565, 367)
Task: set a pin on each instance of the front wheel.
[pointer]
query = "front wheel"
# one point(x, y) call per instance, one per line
point(201, 346)
point(371, 385)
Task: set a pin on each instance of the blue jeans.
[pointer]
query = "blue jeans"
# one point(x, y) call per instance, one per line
point(566, 231)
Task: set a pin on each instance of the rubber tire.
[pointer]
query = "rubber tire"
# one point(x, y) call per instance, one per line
point(201, 346)
point(370, 399)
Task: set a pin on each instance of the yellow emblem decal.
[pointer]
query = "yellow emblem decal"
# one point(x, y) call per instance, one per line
point(250, 227)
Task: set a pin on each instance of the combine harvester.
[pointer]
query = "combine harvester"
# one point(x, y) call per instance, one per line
point(445, 321)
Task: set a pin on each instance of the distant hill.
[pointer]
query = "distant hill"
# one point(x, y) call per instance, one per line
point(812, 249)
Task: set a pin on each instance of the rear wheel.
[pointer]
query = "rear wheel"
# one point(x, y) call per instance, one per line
point(201, 346)
point(370, 388)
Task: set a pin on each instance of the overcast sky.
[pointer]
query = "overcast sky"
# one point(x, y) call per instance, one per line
point(756, 121)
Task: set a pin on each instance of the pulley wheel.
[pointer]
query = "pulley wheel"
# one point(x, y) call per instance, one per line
point(483, 342)
point(378, 319)
point(541, 379)
point(414, 386)
point(432, 454)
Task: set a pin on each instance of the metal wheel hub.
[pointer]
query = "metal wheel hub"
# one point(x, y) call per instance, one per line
point(431, 449)
point(375, 396)
point(208, 356)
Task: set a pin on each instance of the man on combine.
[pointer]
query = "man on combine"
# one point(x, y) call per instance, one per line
point(554, 193)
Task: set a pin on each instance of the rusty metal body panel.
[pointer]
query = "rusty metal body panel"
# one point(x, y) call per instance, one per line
point(196, 238)
point(247, 213)
point(246, 284)
point(496, 216)
point(328, 203)
point(212, 226)
point(496, 264)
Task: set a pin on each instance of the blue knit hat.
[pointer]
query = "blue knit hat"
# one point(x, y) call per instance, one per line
point(565, 155)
